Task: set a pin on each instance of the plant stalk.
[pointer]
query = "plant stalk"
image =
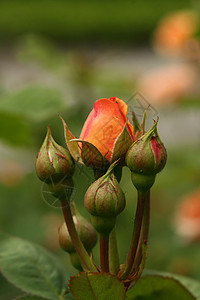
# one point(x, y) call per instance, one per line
point(86, 263)
point(113, 253)
point(140, 258)
point(104, 252)
point(136, 234)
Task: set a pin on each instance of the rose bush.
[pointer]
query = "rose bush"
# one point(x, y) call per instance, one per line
point(105, 138)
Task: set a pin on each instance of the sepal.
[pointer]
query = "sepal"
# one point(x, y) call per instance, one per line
point(90, 155)
point(141, 130)
point(73, 148)
point(121, 145)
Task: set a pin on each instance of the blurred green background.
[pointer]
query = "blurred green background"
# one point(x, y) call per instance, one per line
point(58, 57)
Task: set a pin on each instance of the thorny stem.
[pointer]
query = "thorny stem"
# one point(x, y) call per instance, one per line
point(113, 253)
point(86, 263)
point(136, 234)
point(104, 252)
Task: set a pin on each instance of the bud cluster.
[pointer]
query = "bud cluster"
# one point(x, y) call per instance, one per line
point(143, 153)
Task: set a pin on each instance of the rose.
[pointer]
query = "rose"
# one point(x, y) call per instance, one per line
point(105, 123)
point(187, 217)
point(175, 33)
point(106, 134)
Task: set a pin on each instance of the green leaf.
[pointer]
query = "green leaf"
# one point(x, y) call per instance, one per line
point(121, 145)
point(101, 286)
point(29, 297)
point(69, 297)
point(13, 129)
point(191, 284)
point(155, 287)
point(32, 297)
point(34, 102)
point(32, 268)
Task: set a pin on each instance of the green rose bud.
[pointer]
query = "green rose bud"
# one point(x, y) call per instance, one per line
point(84, 229)
point(104, 200)
point(75, 261)
point(55, 166)
point(145, 158)
point(53, 162)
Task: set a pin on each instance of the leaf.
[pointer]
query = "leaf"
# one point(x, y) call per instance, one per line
point(13, 129)
point(69, 297)
point(34, 102)
point(121, 145)
point(32, 297)
point(155, 287)
point(72, 146)
point(101, 286)
point(29, 297)
point(91, 155)
point(191, 284)
point(32, 268)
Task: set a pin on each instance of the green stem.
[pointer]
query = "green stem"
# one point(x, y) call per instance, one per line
point(86, 263)
point(140, 259)
point(113, 253)
point(136, 234)
point(104, 252)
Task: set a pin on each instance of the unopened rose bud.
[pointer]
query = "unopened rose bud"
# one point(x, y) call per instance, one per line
point(104, 200)
point(84, 229)
point(53, 162)
point(75, 261)
point(145, 158)
point(55, 166)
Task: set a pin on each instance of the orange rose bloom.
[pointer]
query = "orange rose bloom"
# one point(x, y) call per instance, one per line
point(187, 217)
point(105, 123)
point(175, 31)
